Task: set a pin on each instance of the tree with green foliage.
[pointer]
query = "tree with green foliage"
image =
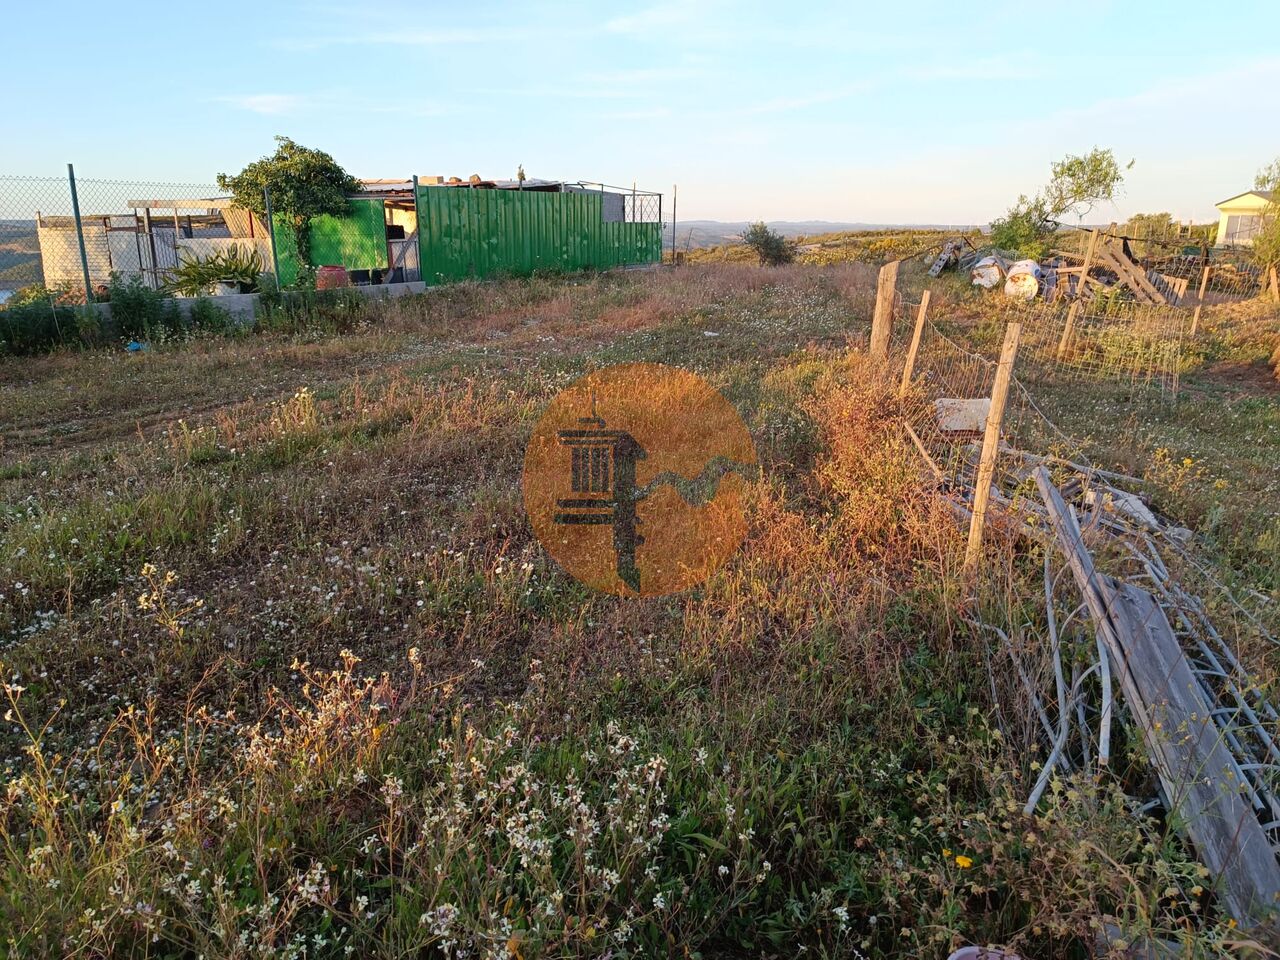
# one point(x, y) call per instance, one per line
point(1149, 225)
point(304, 183)
point(1266, 244)
point(771, 247)
point(1075, 185)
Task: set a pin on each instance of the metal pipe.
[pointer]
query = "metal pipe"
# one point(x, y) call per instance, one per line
point(271, 233)
point(84, 254)
point(673, 224)
point(417, 223)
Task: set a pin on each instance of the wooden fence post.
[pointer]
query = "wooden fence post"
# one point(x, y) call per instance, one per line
point(910, 366)
point(1067, 328)
point(1204, 285)
point(1074, 309)
point(990, 447)
point(882, 321)
point(1088, 262)
point(1275, 284)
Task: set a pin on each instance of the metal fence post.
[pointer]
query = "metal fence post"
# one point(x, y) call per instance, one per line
point(84, 255)
point(271, 235)
point(674, 188)
point(417, 223)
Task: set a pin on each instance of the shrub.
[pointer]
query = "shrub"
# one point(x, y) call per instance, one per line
point(304, 183)
point(35, 327)
point(1075, 185)
point(1266, 245)
point(64, 295)
point(138, 312)
point(773, 249)
point(312, 311)
point(207, 316)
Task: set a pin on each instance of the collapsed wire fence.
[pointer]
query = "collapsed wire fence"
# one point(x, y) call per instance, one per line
point(1155, 271)
point(1063, 699)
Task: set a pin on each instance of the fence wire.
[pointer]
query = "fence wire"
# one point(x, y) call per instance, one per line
point(1119, 341)
point(65, 241)
point(1056, 681)
point(1184, 272)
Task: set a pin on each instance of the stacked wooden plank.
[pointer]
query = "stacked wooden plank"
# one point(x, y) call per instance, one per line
point(1147, 286)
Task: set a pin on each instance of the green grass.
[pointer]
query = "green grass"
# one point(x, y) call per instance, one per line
point(368, 711)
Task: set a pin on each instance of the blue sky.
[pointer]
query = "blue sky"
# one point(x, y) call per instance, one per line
point(892, 112)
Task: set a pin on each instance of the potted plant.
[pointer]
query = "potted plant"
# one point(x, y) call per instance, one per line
point(234, 270)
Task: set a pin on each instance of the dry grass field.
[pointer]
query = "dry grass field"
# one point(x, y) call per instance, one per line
point(290, 676)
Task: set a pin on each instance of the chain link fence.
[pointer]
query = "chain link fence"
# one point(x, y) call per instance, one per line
point(70, 238)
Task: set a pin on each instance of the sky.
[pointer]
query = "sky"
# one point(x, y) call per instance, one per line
point(880, 113)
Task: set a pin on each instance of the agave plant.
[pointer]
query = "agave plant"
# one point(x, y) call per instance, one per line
point(236, 265)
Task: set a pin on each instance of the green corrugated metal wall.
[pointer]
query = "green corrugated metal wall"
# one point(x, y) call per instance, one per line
point(480, 233)
point(468, 233)
point(286, 245)
point(357, 241)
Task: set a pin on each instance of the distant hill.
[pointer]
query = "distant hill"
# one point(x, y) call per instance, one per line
point(697, 234)
point(19, 254)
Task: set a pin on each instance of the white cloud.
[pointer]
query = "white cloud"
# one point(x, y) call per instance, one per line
point(986, 68)
point(660, 16)
point(277, 104)
point(644, 75)
point(449, 36)
point(270, 104)
point(1226, 90)
point(656, 113)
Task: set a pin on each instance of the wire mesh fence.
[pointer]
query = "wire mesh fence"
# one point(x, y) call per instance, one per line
point(71, 238)
point(1114, 340)
point(24, 203)
point(948, 409)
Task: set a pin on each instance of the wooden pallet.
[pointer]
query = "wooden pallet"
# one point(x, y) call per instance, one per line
point(942, 259)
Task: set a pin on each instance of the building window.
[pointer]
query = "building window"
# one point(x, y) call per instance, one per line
point(1243, 228)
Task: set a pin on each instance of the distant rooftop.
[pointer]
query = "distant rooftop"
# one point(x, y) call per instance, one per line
point(1264, 194)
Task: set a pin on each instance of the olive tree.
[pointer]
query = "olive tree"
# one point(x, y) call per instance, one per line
point(303, 182)
point(1266, 244)
point(1075, 185)
point(772, 248)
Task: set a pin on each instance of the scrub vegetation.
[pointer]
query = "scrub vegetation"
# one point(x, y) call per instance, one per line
point(288, 675)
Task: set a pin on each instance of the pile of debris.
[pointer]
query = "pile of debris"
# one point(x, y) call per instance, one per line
point(1109, 263)
point(1206, 726)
